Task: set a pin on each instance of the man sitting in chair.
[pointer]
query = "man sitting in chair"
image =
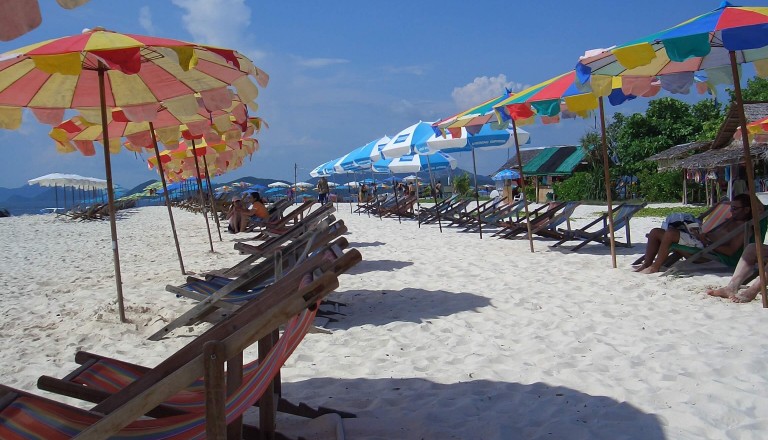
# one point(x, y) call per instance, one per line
point(743, 270)
point(659, 240)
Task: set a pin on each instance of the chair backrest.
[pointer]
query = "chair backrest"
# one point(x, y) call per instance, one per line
point(624, 214)
point(717, 216)
point(564, 215)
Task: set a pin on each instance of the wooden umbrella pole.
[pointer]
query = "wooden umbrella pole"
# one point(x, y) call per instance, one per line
point(434, 196)
point(167, 196)
point(750, 176)
point(200, 193)
point(607, 176)
point(394, 187)
point(111, 194)
point(56, 194)
point(522, 184)
point(477, 196)
point(210, 196)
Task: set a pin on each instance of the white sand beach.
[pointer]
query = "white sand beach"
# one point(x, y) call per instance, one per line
point(444, 336)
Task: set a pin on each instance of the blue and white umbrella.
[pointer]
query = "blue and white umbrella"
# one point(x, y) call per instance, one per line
point(506, 175)
point(361, 158)
point(422, 162)
point(486, 139)
point(381, 165)
point(325, 169)
point(407, 141)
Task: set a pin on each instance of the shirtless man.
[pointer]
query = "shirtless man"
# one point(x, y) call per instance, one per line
point(743, 270)
point(659, 240)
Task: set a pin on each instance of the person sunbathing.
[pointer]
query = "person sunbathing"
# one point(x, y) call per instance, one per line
point(743, 270)
point(660, 240)
point(238, 216)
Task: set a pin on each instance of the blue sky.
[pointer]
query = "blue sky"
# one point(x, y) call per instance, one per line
point(346, 72)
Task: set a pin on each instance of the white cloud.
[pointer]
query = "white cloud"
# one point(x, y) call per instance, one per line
point(145, 20)
point(221, 23)
point(314, 63)
point(482, 89)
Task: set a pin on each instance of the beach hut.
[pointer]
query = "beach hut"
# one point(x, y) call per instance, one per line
point(553, 162)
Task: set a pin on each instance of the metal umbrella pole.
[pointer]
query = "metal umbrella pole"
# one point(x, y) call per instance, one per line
point(522, 184)
point(434, 196)
point(477, 193)
point(200, 193)
point(397, 203)
point(167, 197)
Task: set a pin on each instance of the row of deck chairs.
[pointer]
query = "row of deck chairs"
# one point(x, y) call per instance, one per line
point(96, 211)
point(190, 395)
point(389, 205)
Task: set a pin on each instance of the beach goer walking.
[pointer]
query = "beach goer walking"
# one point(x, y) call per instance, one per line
point(659, 240)
point(744, 269)
point(411, 189)
point(322, 189)
point(363, 195)
point(439, 189)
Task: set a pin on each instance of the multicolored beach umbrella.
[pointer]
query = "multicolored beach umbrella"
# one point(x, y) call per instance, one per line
point(717, 43)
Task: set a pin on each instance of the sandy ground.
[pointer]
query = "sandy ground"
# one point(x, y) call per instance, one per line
point(444, 335)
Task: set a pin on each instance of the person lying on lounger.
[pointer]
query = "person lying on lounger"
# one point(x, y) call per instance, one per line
point(659, 240)
point(743, 270)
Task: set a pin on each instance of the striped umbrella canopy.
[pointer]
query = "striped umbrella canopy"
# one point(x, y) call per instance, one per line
point(325, 169)
point(100, 69)
point(406, 141)
point(702, 43)
point(475, 116)
point(414, 163)
point(467, 139)
point(361, 158)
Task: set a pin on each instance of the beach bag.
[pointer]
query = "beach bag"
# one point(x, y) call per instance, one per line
point(682, 221)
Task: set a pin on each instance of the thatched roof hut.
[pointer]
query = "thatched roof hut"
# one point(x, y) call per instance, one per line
point(669, 158)
point(733, 154)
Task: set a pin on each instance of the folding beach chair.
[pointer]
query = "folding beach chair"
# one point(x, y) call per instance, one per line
point(686, 257)
point(622, 214)
point(215, 292)
point(500, 217)
point(546, 223)
point(24, 416)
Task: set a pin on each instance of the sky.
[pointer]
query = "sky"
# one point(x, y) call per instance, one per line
point(346, 72)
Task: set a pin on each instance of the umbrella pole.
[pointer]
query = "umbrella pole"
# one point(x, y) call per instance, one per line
point(522, 184)
point(200, 193)
point(56, 194)
point(477, 196)
point(607, 177)
point(750, 177)
point(210, 197)
point(399, 220)
point(111, 195)
point(434, 196)
point(418, 202)
point(167, 197)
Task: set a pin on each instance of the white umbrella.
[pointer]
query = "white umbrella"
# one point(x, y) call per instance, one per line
point(304, 185)
point(279, 185)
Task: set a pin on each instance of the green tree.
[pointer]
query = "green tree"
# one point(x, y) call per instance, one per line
point(461, 184)
point(755, 91)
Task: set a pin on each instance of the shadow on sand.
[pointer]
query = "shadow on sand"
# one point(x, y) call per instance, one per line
point(366, 266)
point(357, 244)
point(377, 307)
point(420, 409)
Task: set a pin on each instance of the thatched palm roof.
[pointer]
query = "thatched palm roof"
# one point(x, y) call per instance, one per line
point(730, 155)
point(753, 111)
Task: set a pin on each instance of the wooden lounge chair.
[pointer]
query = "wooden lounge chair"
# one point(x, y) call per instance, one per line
point(499, 217)
point(216, 292)
point(431, 212)
point(686, 257)
point(710, 219)
point(547, 222)
point(285, 222)
point(622, 214)
point(26, 416)
point(480, 210)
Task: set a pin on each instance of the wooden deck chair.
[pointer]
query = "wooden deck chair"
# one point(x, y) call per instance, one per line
point(547, 222)
point(216, 292)
point(431, 212)
point(541, 220)
point(622, 214)
point(404, 207)
point(507, 224)
point(285, 222)
point(449, 212)
point(482, 209)
point(24, 416)
point(499, 217)
point(709, 219)
point(686, 257)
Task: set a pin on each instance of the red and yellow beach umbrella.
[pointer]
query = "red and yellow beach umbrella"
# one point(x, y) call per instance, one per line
point(99, 70)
